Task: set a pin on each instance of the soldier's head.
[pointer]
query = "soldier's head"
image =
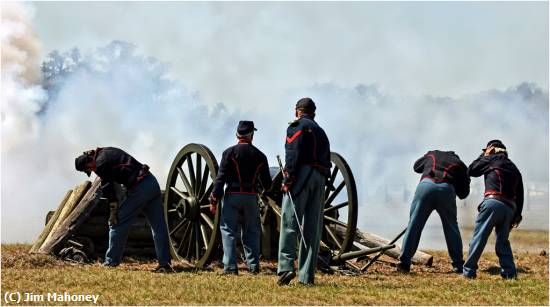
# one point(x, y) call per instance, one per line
point(245, 131)
point(305, 106)
point(85, 162)
point(495, 147)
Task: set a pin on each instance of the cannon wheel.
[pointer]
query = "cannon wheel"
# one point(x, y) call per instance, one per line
point(340, 210)
point(193, 230)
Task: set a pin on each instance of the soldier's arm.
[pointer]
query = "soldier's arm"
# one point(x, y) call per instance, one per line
point(479, 166)
point(462, 180)
point(293, 146)
point(519, 197)
point(217, 191)
point(419, 164)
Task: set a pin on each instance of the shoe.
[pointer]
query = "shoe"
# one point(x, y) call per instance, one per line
point(509, 277)
point(457, 270)
point(165, 269)
point(109, 264)
point(285, 278)
point(401, 268)
point(255, 271)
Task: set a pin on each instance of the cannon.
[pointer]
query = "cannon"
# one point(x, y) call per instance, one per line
point(193, 230)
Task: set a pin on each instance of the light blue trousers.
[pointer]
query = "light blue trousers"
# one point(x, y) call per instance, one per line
point(145, 196)
point(493, 214)
point(309, 205)
point(430, 196)
point(246, 207)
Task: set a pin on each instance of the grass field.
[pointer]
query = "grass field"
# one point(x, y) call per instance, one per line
point(132, 284)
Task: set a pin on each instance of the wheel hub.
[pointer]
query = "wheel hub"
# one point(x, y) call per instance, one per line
point(188, 208)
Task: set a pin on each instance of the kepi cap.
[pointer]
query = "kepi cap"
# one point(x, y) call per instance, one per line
point(245, 128)
point(306, 104)
point(80, 163)
point(495, 143)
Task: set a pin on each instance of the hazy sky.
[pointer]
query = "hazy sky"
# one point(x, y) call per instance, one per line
point(243, 52)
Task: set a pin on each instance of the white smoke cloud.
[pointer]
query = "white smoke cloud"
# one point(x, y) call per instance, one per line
point(107, 97)
point(21, 96)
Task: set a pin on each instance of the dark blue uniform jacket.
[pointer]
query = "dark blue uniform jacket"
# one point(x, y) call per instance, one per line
point(306, 144)
point(445, 166)
point(502, 179)
point(242, 167)
point(116, 165)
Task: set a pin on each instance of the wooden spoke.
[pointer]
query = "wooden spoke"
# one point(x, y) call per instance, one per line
point(177, 227)
point(204, 236)
point(204, 181)
point(184, 237)
point(331, 181)
point(197, 238)
point(335, 193)
point(198, 175)
point(179, 193)
point(205, 196)
point(332, 208)
point(185, 180)
point(333, 237)
point(335, 221)
point(207, 220)
point(191, 169)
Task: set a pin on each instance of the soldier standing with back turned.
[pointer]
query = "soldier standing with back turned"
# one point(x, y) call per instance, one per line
point(243, 168)
point(304, 177)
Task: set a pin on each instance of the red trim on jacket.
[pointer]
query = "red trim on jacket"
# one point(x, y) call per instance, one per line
point(293, 137)
point(256, 175)
point(433, 159)
point(448, 168)
point(238, 173)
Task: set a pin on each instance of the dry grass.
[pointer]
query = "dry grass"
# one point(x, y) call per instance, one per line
point(132, 284)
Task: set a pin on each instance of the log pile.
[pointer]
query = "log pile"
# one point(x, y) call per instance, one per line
point(80, 218)
point(71, 213)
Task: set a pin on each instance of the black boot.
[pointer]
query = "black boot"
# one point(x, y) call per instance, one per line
point(285, 278)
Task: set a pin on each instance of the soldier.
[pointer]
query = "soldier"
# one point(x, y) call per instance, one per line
point(114, 165)
point(501, 208)
point(444, 176)
point(243, 167)
point(306, 169)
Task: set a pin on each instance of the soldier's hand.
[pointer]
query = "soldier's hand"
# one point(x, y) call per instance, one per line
point(516, 221)
point(488, 150)
point(285, 188)
point(213, 208)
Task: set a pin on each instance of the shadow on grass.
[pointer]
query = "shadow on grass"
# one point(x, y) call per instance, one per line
point(495, 270)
